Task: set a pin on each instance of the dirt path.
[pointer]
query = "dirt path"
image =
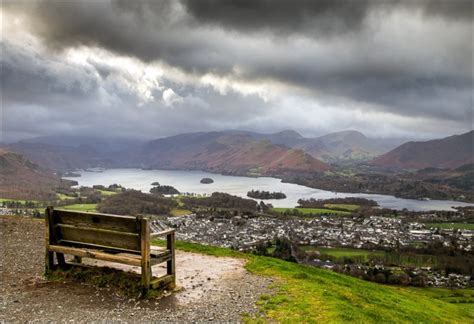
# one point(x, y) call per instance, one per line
point(213, 288)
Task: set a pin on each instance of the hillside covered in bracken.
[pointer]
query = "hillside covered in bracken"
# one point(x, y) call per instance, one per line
point(23, 179)
point(227, 153)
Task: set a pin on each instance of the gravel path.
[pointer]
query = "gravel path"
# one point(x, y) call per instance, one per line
point(214, 289)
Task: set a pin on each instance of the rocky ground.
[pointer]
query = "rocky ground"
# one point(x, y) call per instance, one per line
point(213, 289)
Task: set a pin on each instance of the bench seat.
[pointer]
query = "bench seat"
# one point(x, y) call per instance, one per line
point(158, 255)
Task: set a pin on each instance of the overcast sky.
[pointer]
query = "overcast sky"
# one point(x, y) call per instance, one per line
point(156, 68)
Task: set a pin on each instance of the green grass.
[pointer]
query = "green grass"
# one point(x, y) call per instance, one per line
point(107, 192)
point(309, 295)
point(180, 212)
point(81, 207)
point(342, 252)
point(63, 197)
point(312, 211)
point(347, 207)
point(451, 225)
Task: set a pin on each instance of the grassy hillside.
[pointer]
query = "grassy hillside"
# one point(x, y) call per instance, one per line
point(81, 207)
point(449, 152)
point(307, 294)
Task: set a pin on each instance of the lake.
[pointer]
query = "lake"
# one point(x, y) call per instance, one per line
point(189, 181)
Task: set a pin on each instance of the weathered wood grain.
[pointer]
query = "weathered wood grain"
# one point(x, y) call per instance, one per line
point(97, 254)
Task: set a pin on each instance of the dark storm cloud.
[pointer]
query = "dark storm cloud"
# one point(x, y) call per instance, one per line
point(417, 63)
point(322, 18)
point(313, 17)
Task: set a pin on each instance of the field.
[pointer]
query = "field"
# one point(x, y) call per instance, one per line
point(81, 207)
point(306, 294)
point(347, 207)
point(107, 192)
point(312, 211)
point(341, 252)
point(452, 225)
point(63, 197)
point(180, 212)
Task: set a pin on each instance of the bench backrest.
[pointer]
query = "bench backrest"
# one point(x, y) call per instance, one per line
point(94, 230)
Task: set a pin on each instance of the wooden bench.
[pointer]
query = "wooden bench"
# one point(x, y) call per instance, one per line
point(113, 238)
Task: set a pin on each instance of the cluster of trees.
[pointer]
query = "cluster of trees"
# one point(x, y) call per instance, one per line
point(220, 200)
point(21, 204)
point(408, 185)
point(163, 189)
point(257, 194)
point(207, 180)
point(133, 202)
point(383, 275)
point(112, 187)
point(406, 262)
point(284, 249)
point(319, 203)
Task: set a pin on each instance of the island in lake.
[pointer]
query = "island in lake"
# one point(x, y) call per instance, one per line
point(163, 189)
point(207, 180)
point(257, 194)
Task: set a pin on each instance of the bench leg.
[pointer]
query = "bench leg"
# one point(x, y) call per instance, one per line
point(49, 261)
point(61, 260)
point(171, 264)
point(146, 277)
point(77, 259)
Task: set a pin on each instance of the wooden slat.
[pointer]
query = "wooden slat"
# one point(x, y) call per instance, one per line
point(98, 230)
point(166, 280)
point(105, 248)
point(119, 240)
point(97, 220)
point(96, 254)
point(162, 233)
point(161, 258)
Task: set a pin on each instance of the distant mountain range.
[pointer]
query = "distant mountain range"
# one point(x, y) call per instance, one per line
point(246, 153)
point(340, 147)
point(449, 152)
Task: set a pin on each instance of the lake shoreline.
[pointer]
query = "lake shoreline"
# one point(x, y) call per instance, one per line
point(189, 181)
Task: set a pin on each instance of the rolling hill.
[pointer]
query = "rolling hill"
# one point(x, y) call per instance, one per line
point(23, 179)
point(449, 152)
point(339, 147)
point(231, 153)
point(346, 146)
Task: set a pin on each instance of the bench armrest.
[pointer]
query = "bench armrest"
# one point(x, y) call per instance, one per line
point(162, 233)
